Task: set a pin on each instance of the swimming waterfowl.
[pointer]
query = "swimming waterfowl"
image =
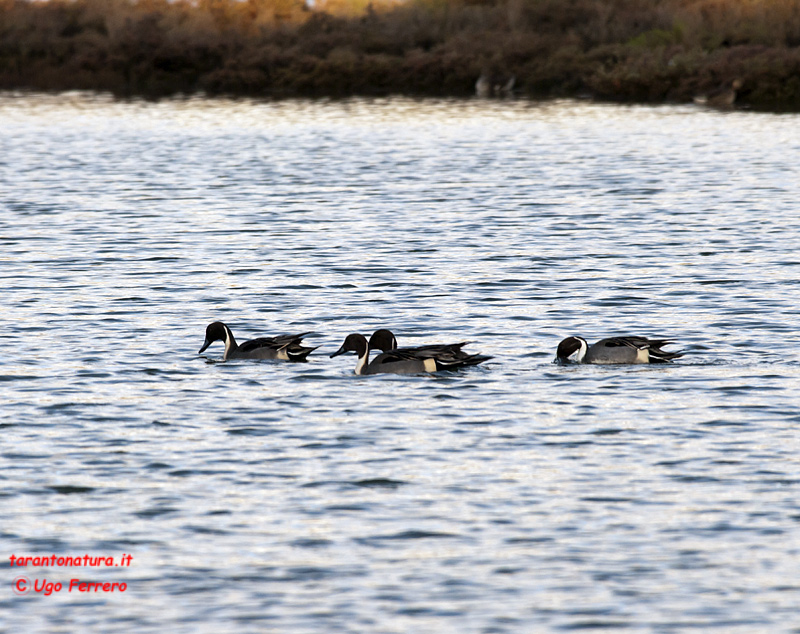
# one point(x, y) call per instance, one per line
point(282, 347)
point(385, 341)
point(615, 350)
point(407, 360)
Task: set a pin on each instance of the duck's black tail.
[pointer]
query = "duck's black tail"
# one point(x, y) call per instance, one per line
point(657, 355)
point(296, 352)
point(455, 362)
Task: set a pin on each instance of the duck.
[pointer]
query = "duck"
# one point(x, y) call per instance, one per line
point(615, 350)
point(722, 97)
point(282, 347)
point(384, 340)
point(405, 360)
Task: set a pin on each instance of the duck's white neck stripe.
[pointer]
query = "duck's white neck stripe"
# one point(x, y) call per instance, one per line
point(362, 362)
point(580, 353)
point(228, 343)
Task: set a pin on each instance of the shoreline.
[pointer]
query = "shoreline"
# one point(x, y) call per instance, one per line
point(90, 93)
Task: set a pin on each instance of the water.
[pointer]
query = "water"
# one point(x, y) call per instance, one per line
point(518, 496)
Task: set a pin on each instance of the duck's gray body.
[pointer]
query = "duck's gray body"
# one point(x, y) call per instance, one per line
point(406, 360)
point(615, 350)
point(282, 347)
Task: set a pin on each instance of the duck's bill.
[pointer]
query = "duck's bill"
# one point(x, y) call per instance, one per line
point(338, 352)
point(205, 345)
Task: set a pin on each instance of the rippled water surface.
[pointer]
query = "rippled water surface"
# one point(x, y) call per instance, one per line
point(517, 496)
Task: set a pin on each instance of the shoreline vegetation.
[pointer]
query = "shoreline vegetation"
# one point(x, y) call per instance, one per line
point(635, 51)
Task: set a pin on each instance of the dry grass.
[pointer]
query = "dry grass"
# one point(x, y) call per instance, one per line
point(632, 50)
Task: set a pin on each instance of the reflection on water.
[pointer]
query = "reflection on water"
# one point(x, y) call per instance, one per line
point(515, 496)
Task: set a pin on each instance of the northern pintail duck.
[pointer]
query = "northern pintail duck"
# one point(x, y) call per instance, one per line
point(385, 341)
point(615, 350)
point(282, 347)
point(405, 360)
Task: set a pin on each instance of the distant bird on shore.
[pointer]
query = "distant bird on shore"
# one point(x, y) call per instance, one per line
point(615, 350)
point(282, 347)
point(494, 85)
point(722, 97)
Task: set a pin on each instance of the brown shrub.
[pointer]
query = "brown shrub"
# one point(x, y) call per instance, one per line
point(644, 50)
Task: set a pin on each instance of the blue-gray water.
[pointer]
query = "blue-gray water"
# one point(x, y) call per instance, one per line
point(518, 496)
